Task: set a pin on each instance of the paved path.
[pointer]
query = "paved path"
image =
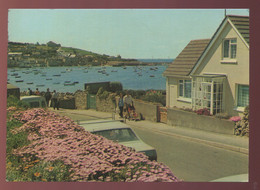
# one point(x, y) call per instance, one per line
point(229, 142)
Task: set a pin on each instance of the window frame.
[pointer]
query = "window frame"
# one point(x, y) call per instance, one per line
point(230, 44)
point(182, 92)
point(240, 107)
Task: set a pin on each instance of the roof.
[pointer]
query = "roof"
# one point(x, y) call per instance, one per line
point(100, 125)
point(187, 59)
point(11, 86)
point(241, 23)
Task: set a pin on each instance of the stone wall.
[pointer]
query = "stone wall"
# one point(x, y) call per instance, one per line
point(106, 105)
point(80, 99)
point(182, 118)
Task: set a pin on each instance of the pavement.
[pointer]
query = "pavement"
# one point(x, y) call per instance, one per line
point(228, 142)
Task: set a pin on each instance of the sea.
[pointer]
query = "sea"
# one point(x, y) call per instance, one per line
point(71, 79)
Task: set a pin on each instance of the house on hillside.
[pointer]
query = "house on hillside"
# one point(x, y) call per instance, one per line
point(213, 73)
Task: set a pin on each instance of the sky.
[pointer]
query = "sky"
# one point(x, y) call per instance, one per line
point(130, 33)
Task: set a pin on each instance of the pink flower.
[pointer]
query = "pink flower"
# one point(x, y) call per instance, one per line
point(235, 118)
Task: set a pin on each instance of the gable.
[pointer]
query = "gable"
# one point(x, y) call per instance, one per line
point(239, 26)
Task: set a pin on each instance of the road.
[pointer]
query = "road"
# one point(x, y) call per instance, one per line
point(193, 161)
point(188, 160)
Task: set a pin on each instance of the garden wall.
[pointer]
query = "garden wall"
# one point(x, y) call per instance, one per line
point(192, 120)
point(105, 105)
point(67, 103)
point(80, 100)
point(148, 110)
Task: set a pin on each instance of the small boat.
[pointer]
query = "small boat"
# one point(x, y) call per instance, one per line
point(43, 75)
point(69, 84)
point(151, 75)
point(63, 71)
point(56, 83)
point(40, 85)
point(49, 79)
point(67, 81)
point(17, 76)
point(57, 75)
point(19, 81)
point(14, 74)
point(29, 83)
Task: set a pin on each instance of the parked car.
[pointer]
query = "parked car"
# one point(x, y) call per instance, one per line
point(121, 133)
point(34, 101)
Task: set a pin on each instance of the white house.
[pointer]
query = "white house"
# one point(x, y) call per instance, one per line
point(213, 73)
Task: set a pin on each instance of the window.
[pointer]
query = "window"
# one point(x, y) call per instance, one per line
point(230, 48)
point(242, 95)
point(185, 88)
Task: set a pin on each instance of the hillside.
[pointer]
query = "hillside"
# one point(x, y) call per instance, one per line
point(53, 54)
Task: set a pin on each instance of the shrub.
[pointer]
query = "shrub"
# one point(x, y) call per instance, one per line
point(13, 101)
point(102, 94)
point(57, 142)
point(155, 96)
point(235, 118)
point(115, 86)
point(203, 111)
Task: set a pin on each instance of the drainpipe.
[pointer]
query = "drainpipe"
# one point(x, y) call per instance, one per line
point(211, 98)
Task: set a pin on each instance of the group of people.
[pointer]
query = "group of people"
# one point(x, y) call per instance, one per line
point(36, 92)
point(125, 103)
point(53, 97)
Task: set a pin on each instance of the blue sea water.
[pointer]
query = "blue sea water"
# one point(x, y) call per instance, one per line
point(136, 78)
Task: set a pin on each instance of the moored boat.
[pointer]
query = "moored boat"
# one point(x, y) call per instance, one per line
point(19, 81)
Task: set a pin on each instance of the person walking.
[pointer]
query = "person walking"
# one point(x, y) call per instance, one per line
point(47, 96)
point(55, 100)
point(128, 101)
point(121, 105)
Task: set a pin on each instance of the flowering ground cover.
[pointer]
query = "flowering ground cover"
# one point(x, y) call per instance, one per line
point(59, 149)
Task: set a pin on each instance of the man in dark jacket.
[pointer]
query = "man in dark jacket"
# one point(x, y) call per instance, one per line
point(47, 96)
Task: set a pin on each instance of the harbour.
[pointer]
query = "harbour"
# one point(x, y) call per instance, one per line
point(71, 79)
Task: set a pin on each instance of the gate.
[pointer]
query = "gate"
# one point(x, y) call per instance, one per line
point(162, 114)
point(91, 101)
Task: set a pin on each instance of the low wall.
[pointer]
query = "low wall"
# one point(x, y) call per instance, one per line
point(192, 120)
point(148, 110)
point(105, 105)
point(81, 100)
point(67, 103)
